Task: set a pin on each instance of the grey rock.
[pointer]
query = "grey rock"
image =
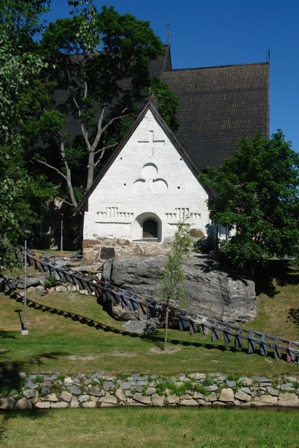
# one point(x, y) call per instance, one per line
point(210, 292)
point(264, 381)
point(212, 388)
point(120, 395)
point(172, 399)
point(120, 313)
point(30, 384)
point(23, 403)
point(61, 288)
point(29, 393)
point(268, 399)
point(246, 390)
point(211, 398)
point(109, 399)
point(30, 281)
point(142, 399)
point(140, 326)
point(138, 388)
point(95, 390)
point(59, 405)
point(242, 396)
point(226, 395)
point(50, 397)
point(108, 385)
point(75, 402)
point(75, 390)
point(40, 291)
point(246, 381)
point(89, 404)
point(7, 403)
point(45, 390)
point(189, 402)
point(272, 391)
point(43, 405)
point(291, 379)
point(288, 399)
point(83, 398)
point(150, 391)
point(125, 385)
point(66, 396)
point(157, 400)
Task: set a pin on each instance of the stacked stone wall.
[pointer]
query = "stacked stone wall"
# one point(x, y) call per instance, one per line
point(53, 391)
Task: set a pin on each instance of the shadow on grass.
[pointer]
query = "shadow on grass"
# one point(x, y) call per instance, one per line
point(12, 380)
point(155, 339)
point(12, 375)
point(83, 320)
point(279, 270)
point(6, 335)
point(294, 316)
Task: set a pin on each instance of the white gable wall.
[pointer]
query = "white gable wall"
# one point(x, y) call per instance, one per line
point(148, 178)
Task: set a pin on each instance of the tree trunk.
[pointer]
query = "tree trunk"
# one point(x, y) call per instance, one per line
point(166, 327)
point(68, 176)
point(90, 168)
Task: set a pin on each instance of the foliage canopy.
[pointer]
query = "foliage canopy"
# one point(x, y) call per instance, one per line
point(257, 194)
point(20, 64)
point(100, 67)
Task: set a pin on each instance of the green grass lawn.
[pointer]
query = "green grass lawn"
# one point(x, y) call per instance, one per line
point(150, 428)
point(69, 332)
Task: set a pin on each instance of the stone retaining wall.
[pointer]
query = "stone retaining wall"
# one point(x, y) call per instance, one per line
point(52, 391)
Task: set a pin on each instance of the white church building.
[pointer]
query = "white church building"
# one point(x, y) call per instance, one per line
point(147, 188)
point(150, 183)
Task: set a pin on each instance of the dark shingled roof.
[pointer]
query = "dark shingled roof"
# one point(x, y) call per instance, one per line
point(218, 106)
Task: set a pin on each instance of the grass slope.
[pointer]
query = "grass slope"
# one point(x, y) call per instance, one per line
point(69, 332)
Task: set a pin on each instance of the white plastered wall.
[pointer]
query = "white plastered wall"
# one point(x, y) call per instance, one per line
point(148, 179)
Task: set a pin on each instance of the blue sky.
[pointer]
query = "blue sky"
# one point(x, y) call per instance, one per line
point(208, 33)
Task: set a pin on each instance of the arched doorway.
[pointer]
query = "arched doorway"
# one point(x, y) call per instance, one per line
point(147, 226)
point(150, 228)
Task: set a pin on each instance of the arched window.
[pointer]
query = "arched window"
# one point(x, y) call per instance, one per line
point(150, 228)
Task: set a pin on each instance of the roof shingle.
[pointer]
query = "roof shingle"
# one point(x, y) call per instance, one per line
point(218, 106)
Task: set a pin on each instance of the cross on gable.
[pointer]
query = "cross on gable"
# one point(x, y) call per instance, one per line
point(153, 143)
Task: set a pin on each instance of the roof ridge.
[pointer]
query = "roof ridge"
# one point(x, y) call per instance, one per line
point(217, 66)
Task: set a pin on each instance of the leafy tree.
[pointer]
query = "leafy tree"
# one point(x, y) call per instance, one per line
point(257, 194)
point(20, 63)
point(173, 276)
point(18, 191)
point(101, 62)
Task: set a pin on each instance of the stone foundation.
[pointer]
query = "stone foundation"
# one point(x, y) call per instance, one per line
point(109, 248)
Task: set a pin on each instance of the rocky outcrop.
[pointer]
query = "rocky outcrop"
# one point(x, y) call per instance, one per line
point(57, 391)
point(208, 291)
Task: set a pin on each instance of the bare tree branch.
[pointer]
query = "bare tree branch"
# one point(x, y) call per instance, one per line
point(114, 119)
point(104, 149)
point(65, 201)
point(52, 168)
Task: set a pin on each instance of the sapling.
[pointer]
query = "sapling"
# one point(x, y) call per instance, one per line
point(173, 276)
